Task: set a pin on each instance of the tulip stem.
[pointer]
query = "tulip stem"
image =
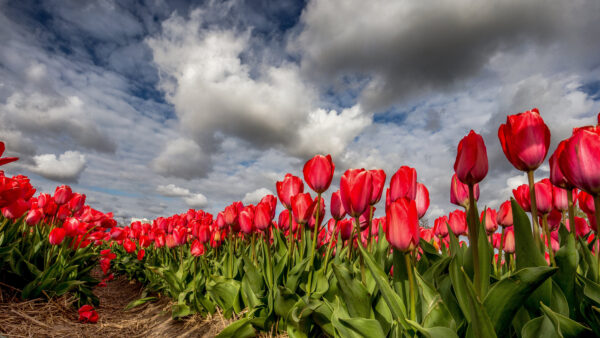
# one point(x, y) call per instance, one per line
point(230, 262)
point(330, 246)
point(536, 230)
point(291, 237)
point(597, 214)
point(411, 285)
point(548, 239)
point(359, 240)
point(500, 251)
point(370, 227)
point(571, 212)
point(253, 249)
point(473, 239)
point(314, 245)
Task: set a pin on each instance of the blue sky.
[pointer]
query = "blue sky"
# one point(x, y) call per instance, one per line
point(152, 107)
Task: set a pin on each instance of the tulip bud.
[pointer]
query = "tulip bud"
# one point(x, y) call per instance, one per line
point(262, 216)
point(34, 216)
point(521, 195)
point(355, 189)
point(525, 139)
point(129, 245)
point(197, 249)
point(403, 184)
point(490, 222)
point(337, 208)
point(62, 194)
point(580, 160)
point(377, 182)
point(440, 228)
point(318, 173)
point(509, 241)
point(302, 207)
point(471, 165)
point(402, 225)
point(422, 199)
point(459, 192)
point(543, 196)
point(504, 216)
point(458, 222)
point(76, 202)
point(345, 228)
point(56, 236)
point(290, 186)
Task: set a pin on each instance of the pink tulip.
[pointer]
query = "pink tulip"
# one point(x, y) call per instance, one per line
point(504, 216)
point(422, 200)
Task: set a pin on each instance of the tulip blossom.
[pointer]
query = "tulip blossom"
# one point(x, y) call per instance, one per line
point(271, 200)
point(87, 314)
point(458, 222)
point(556, 175)
point(459, 192)
point(16, 209)
point(471, 165)
point(586, 202)
point(76, 202)
point(543, 193)
point(246, 219)
point(34, 216)
point(56, 236)
point(580, 160)
point(197, 249)
point(378, 181)
point(490, 222)
point(355, 191)
point(318, 173)
point(290, 186)
point(422, 200)
point(525, 139)
point(581, 227)
point(554, 218)
point(403, 184)
point(128, 245)
point(262, 216)
point(509, 241)
point(141, 254)
point(231, 214)
point(337, 208)
point(504, 217)
point(560, 199)
point(402, 225)
point(345, 227)
point(321, 206)
point(440, 227)
point(302, 207)
point(5, 160)
point(62, 194)
point(521, 195)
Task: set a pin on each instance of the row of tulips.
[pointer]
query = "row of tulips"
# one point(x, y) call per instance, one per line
point(47, 242)
point(356, 275)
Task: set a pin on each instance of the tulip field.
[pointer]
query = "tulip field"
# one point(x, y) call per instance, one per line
point(529, 267)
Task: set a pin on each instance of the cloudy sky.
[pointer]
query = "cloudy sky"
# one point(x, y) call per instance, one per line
point(151, 107)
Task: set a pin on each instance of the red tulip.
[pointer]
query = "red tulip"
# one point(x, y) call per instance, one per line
point(197, 249)
point(403, 184)
point(459, 192)
point(490, 222)
point(586, 202)
point(559, 198)
point(592, 220)
point(128, 245)
point(345, 228)
point(337, 208)
point(141, 254)
point(554, 218)
point(262, 216)
point(271, 200)
point(521, 195)
point(496, 238)
point(318, 173)
point(556, 175)
point(504, 216)
point(76, 202)
point(543, 196)
point(62, 194)
point(422, 200)
point(440, 228)
point(231, 214)
point(377, 181)
point(144, 241)
point(321, 206)
point(246, 219)
point(56, 236)
point(34, 216)
point(355, 189)
point(87, 314)
point(302, 207)
point(471, 165)
point(426, 234)
point(290, 186)
point(204, 233)
point(509, 241)
point(581, 227)
point(220, 222)
point(580, 160)
point(402, 225)
point(458, 222)
point(16, 209)
point(525, 139)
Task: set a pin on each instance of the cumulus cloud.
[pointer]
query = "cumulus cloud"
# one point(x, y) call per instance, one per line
point(171, 190)
point(196, 201)
point(216, 95)
point(182, 158)
point(66, 167)
point(253, 197)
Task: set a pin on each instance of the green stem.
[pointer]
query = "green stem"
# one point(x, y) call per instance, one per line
point(370, 227)
point(411, 283)
point(291, 238)
point(230, 263)
point(500, 253)
point(571, 211)
point(548, 239)
point(314, 244)
point(359, 240)
point(329, 248)
point(536, 226)
point(269, 262)
point(253, 249)
point(473, 239)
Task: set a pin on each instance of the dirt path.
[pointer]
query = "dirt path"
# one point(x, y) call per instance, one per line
point(58, 317)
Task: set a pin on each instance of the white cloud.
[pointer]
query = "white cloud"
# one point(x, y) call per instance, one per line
point(65, 168)
point(253, 197)
point(182, 158)
point(171, 190)
point(196, 201)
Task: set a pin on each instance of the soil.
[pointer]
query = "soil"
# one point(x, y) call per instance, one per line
point(58, 317)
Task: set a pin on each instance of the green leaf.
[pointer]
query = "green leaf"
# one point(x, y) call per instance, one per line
point(294, 275)
point(241, 328)
point(353, 292)
point(433, 332)
point(460, 287)
point(567, 260)
point(433, 310)
point(590, 260)
point(347, 326)
point(563, 325)
point(539, 327)
point(508, 295)
point(480, 322)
